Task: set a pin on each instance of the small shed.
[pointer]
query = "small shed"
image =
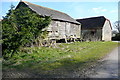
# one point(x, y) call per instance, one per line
point(96, 29)
point(62, 25)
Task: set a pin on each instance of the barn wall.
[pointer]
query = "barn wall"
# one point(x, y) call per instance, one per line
point(62, 30)
point(61, 27)
point(75, 30)
point(106, 31)
point(53, 30)
point(78, 31)
point(92, 34)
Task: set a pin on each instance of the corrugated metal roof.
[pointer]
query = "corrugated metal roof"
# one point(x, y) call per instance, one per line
point(50, 12)
point(92, 23)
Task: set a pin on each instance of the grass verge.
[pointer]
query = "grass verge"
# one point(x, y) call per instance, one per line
point(63, 60)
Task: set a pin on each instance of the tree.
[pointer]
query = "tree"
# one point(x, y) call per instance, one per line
point(20, 27)
point(8, 34)
point(117, 25)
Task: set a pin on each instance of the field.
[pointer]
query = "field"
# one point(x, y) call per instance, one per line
point(65, 59)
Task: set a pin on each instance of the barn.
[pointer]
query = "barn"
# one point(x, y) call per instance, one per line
point(62, 25)
point(96, 29)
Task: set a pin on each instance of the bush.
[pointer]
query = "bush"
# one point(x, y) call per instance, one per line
point(20, 27)
point(117, 37)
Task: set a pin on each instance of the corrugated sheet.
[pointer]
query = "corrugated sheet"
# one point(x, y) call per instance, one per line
point(92, 23)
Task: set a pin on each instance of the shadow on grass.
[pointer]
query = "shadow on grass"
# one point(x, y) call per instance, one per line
point(57, 66)
point(65, 68)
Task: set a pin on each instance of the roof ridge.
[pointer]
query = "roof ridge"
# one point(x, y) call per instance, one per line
point(92, 17)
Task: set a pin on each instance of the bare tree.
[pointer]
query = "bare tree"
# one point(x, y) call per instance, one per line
point(117, 25)
point(117, 35)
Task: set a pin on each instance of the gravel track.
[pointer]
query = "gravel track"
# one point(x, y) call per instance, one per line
point(109, 66)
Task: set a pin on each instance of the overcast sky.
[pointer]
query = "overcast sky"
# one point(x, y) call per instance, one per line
point(74, 8)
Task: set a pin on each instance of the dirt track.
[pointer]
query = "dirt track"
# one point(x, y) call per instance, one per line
point(109, 67)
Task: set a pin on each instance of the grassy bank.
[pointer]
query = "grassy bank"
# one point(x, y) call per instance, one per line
point(63, 60)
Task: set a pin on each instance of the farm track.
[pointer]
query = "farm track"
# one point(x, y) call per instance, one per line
point(108, 67)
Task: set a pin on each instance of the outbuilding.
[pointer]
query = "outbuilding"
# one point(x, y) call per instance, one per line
point(96, 29)
point(62, 25)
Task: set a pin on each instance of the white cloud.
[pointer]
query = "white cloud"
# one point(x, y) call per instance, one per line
point(103, 10)
point(99, 10)
point(96, 10)
point(114, 11)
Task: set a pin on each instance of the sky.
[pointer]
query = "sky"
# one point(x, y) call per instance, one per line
point(75, 8)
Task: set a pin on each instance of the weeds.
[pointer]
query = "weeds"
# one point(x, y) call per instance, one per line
point(68, 57)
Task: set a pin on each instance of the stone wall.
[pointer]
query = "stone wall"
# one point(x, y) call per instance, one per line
point(106, 31)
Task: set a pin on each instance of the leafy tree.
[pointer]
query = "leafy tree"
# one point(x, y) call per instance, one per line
point(20, 27)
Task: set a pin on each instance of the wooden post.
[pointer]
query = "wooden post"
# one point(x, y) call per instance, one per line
point(65, 40)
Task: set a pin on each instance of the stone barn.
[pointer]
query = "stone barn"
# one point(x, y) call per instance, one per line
point(96, 29)
point(62, 25)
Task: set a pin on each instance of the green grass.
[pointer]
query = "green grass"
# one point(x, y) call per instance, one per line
point(61, 60)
